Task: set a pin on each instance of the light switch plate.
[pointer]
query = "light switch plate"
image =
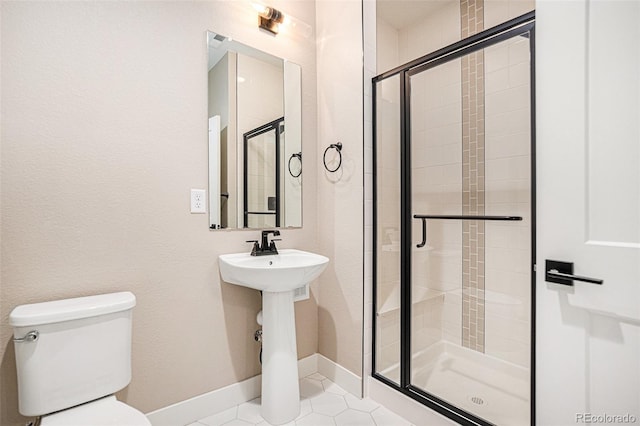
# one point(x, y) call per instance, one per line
point(198, 201)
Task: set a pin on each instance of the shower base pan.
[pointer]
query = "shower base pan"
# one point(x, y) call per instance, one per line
point(490, 388)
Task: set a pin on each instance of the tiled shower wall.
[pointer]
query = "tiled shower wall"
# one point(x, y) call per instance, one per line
point(435, 314)
point(436, 163)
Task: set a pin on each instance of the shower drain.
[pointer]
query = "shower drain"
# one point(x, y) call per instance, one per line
point(476, 400)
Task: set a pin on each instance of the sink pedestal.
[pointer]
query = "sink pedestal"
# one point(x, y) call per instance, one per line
point(280, 387)
point(277, 276)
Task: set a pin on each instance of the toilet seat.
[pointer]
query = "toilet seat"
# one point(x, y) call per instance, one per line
point(107, 411)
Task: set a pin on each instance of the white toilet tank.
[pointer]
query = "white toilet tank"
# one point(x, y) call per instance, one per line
point(82, 351)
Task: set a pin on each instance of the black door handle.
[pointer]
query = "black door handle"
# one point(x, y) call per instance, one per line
point(562, 273)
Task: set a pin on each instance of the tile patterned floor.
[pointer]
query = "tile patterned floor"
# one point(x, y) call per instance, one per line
point(323, 403)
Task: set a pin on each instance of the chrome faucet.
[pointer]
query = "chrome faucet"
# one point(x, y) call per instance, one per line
point(265, 248)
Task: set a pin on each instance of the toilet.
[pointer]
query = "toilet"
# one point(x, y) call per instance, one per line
point(72, 355)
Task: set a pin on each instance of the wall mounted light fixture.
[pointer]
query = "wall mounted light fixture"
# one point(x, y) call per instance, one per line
point(273, 20)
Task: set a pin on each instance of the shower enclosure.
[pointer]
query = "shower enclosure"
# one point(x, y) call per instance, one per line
point(454, 227)
point(262, 180)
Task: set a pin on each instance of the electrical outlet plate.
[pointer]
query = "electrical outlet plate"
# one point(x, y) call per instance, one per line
point(198, 201)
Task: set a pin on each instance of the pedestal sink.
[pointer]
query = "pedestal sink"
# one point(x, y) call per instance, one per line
point(276, 276)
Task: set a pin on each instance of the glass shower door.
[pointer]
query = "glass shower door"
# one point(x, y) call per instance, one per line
point(471, 187)
point(453, 263)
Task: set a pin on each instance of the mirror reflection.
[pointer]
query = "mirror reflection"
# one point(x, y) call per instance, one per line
point(255, 143)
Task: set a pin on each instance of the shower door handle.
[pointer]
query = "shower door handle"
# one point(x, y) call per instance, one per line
point(457, 217)
point(562, 273)
point(424, 234)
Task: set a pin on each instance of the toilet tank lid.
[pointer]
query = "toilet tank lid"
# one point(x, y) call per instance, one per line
point(71, 309)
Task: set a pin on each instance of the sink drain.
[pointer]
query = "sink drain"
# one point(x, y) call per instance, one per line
point(477, 400)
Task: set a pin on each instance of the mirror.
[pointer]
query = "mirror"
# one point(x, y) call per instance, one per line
point(255, 137)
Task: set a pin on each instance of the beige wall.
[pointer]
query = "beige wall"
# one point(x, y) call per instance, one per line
point(340, 194)
point(104, 108)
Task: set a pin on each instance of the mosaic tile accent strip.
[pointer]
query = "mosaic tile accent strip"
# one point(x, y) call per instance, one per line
point(471, 17)
point(473, 180)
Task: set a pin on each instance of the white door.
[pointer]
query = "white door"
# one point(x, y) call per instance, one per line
point(588, 191)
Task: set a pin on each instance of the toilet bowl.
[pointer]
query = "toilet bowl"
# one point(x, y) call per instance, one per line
point(72, 355)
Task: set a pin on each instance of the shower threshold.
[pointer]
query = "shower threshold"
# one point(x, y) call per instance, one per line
point(488, 387)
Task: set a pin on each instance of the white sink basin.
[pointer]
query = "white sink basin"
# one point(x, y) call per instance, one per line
point(277, 276)
point(285, 271)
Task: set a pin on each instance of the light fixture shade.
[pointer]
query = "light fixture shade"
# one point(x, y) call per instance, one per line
point(261, 9)
point(296, 25)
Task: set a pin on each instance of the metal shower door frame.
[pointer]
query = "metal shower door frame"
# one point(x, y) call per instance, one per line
point(522, 25)
point(277, 127)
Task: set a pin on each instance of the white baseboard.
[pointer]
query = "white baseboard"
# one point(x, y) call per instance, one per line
point(339, 375)
point(201, 406)
point(307, 366)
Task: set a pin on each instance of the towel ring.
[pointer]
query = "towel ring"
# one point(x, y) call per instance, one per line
point(338, 147)
point(297, 155)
